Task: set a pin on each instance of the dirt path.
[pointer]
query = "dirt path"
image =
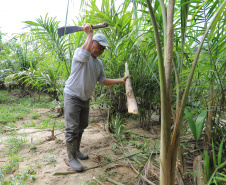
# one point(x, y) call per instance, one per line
point(45, 157)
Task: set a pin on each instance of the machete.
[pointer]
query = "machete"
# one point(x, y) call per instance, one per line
point(71, 29)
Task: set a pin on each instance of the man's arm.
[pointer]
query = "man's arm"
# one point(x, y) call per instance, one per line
point(88, 43)
point(109, 81)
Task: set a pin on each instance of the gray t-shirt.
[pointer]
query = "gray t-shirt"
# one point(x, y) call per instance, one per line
point(85, 72)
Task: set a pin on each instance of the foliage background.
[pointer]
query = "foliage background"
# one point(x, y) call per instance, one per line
point(40, 61)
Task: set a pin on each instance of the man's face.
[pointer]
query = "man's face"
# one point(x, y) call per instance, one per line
point(97, 49)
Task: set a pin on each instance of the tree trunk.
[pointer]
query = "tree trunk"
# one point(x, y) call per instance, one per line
point(207, 136)
point(198, 170)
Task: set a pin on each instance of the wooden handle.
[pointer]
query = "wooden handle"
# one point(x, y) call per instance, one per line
point(103, 25)
point(131, 101)
point(100, 25)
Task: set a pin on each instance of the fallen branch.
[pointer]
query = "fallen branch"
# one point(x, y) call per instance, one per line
point(86, 169)
point(98, 182)
point(136, 170)
point(145, 170)
point(112, 181)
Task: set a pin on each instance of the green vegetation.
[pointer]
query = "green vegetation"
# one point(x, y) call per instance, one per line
point(19, 178)
point(176, 56)
point(11, 107)
point(21, 106)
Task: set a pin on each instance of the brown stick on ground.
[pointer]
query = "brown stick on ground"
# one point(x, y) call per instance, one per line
point(131, 101)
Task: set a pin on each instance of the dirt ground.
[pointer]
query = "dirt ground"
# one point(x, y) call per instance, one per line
point(48, 156)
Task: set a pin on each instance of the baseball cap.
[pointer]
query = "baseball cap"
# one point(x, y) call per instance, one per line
point(101, 39)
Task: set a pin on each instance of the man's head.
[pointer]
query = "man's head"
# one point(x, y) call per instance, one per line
point(99, 44)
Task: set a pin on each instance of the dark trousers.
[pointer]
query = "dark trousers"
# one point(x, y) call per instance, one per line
point(76, 114)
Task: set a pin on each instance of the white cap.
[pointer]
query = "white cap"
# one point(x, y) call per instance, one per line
point(101, 39)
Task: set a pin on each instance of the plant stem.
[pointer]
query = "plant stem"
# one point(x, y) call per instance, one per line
point(165, 156)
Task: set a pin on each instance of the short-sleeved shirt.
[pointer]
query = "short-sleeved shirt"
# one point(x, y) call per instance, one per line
point(85, 72)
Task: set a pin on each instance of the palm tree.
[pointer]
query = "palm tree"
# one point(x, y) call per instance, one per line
point(169, 147)
point(45, 31)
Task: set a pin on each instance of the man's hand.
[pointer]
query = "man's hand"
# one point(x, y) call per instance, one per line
point(89, 31)
point(88, 28)
point(124, 79)
point(109, 81)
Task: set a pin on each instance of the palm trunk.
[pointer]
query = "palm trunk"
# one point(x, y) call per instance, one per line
point(166, 125)
point(210, 104)
point(165, 134)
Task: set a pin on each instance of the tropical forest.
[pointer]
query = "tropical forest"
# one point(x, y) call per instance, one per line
point(174, 54)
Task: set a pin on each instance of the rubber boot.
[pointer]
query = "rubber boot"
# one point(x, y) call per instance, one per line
point(80, 155)
point(72, 157)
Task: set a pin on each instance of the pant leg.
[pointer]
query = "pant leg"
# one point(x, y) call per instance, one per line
point(72, 117)
point(84, 116)
point(76, 113)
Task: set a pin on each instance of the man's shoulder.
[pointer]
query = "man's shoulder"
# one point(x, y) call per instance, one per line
point(81, 55)
point(98, 60)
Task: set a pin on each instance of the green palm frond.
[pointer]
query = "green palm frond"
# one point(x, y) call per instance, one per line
point(45, 31)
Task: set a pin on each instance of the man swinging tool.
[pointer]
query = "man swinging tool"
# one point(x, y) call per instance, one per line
point(86, 70)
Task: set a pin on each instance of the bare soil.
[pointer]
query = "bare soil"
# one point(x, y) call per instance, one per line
point(48, 156)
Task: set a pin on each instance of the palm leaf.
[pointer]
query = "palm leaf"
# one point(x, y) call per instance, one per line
point(220, 152)
point(191, 123)
point(200, 123)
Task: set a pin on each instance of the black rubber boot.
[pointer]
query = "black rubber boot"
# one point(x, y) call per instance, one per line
point(80, 155)
point(72, 157)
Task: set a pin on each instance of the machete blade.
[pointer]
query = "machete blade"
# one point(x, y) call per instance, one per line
point(69, 29)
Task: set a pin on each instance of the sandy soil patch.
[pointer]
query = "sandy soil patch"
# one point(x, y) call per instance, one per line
point(46, 157)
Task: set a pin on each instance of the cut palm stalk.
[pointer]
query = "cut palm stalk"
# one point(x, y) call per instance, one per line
point(131, 101)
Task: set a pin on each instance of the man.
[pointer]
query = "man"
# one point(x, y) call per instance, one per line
point(86, 70)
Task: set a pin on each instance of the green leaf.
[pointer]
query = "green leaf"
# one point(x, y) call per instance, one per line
point(221, 165)
point(191, 123)
point(223, 179)
point(215, 173)
point(220, 152)
point(200, 123)
point(214, 156)
point(217, 19)
point(207, 165)
point(31, 23)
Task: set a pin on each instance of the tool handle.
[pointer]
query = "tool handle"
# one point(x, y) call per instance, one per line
point(103, 25)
